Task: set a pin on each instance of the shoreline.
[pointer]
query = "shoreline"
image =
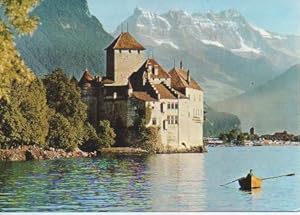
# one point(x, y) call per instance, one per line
point(29, 153)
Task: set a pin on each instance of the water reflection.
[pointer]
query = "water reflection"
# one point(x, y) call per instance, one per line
point(178, 182)
point(253, 192)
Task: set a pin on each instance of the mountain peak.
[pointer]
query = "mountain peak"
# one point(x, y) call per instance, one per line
point(231, 13)
point(138, 10)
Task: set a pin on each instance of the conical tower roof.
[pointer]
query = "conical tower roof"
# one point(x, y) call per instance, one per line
point(125, 41)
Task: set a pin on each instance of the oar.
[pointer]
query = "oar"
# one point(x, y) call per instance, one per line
point(291, 174)
point(230, 182)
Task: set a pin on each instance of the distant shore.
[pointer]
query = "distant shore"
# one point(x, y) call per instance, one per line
point(255, 145)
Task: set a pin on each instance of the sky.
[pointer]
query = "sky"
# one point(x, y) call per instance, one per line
point(279, 16)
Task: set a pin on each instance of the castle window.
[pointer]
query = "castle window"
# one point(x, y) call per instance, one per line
point(176, 119)
point(129, 50)
point(169, 119)
point(120, 51)
point(139, 51)
point(154, 121)
point(176, 105)
point(162, 107)
point(172, 119)
point(169, 106)
point(172, 105)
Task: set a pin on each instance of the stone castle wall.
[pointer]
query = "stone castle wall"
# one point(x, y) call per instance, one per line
point(125, 63)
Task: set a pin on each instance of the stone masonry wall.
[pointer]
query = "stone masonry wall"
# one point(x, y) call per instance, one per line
point(125, 63)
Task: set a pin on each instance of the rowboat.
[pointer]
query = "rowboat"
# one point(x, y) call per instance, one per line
point(250, 182)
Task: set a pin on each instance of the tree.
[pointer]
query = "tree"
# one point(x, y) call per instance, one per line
point(241, 138)
point(150, 140)
point(91, 141)
point(24, 118)
point(64, 97)
point(16, 20)
point(223, 137)
point(106, 134)
point(147, 138)
point(62, 134)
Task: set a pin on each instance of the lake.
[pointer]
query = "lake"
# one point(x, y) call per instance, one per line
point(176, 182)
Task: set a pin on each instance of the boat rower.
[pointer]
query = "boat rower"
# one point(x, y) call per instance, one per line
point(250, 174)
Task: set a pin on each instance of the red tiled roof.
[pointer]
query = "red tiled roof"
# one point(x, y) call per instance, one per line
point(161, 72)
point(179, 80)
point(136, 78)
point(164, 92)
point(143, 96)
point(125, 41)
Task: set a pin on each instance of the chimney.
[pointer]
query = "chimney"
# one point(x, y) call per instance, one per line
point(98, 78)
point(188, 77)
point(181, 64)
point(155, 69)
point(149, 67)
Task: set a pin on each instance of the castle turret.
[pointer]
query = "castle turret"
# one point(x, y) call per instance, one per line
point(123, 57)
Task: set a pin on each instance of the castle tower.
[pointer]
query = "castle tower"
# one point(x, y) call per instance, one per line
point(123, 57)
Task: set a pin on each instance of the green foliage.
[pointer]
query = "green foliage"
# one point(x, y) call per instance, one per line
point(233, 136)
point(143, 117)
point(150, 140)
point(24, 118)
point(147, 138)
point(16, 19)
point(91, 141)
point(64, 98)
point(17, 13)
point(219, 122)
point(106, 134)
point(62, 134)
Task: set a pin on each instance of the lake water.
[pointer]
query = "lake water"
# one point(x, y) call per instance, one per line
point(177, 182)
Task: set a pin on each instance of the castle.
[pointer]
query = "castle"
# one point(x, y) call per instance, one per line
point(133, 84)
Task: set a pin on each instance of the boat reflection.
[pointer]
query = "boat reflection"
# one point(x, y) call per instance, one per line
point(255, 191)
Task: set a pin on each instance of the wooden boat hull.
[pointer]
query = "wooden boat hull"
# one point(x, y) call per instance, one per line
point(249, 183)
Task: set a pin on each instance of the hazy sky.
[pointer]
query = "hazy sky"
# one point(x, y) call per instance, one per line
point(281, 16)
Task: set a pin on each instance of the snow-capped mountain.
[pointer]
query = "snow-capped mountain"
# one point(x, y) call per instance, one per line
point(224, 52)
point(227, 29)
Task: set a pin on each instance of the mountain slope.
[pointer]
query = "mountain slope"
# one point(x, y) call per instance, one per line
point(219, 122)
point(69, 37)
point(271, 107)
point(226, 54)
